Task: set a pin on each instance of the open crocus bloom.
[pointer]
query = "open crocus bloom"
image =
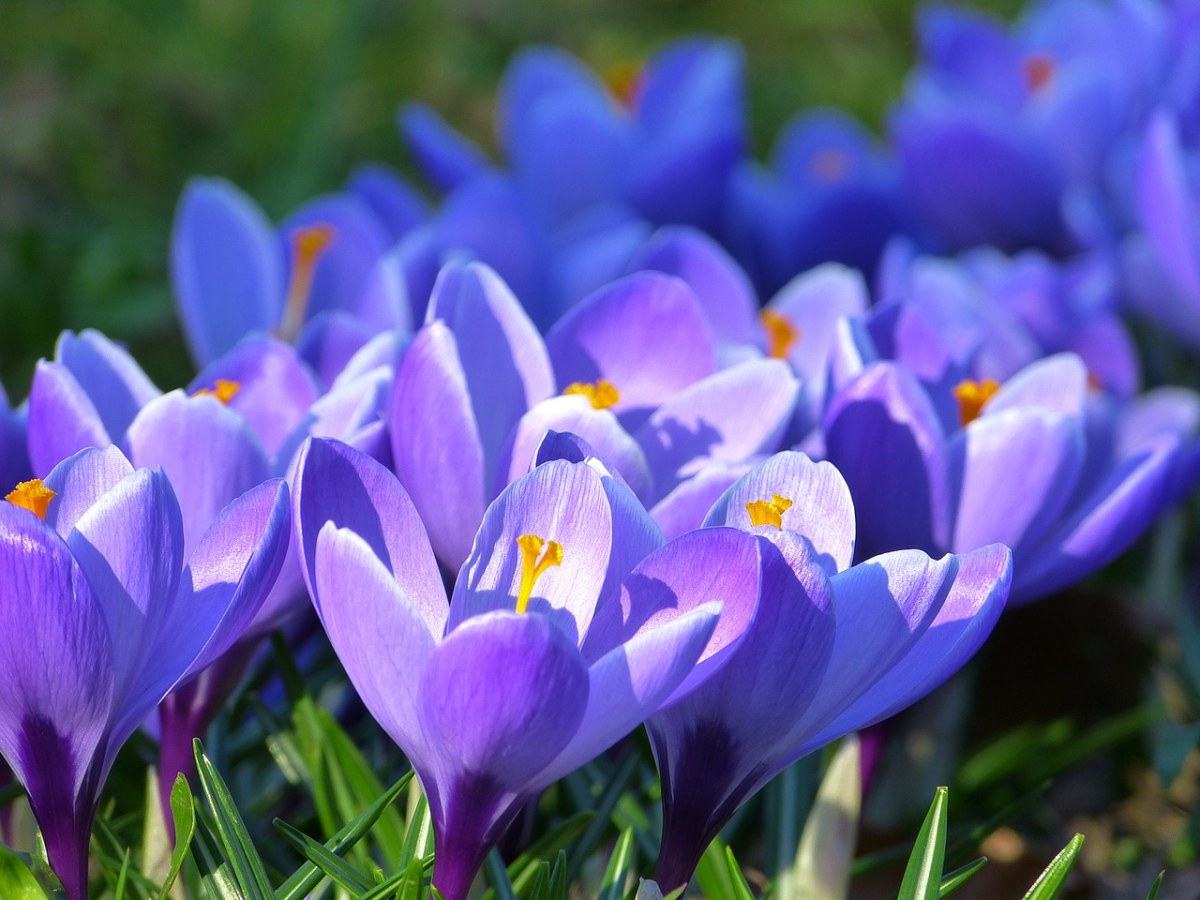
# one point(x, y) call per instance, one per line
point(1068, 479)
point(570, 623)
point(831, 648)
point(103, 618)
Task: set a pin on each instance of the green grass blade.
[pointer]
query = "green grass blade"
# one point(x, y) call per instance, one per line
point(956, 879)
point(243, 860)
point(183, 811)
point(1153, 895)
point(621, 864)
point(741, 890)
point(17, 880)
point(339, 871)
point(924, 872)
point(1050, 882)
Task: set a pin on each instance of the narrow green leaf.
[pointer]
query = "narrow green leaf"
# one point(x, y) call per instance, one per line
point(218, 882)
point(386, 889)
point(309, 876)
point(821, 868)
point(122, 879)
point(498, 876)
point(243, 860)
point(621, 865)
point(183, 811)
point(557, 885)
point(17, 881)
point(412, 886)
point(1153, 895)
point(418, 838)
point(741, 890)
point(340, 871)
point(959, 877)
point(523, 869)
point(712, 874)
point(603, 811)
point(1051, 880)
point(924, 872)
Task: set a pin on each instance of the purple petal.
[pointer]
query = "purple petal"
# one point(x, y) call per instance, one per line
point(1164, 410)
point(226, 267)
point(383, 639)
point(963, 623)
point(884, 436)
point(499, 699)
point(396, 204)
point(275, 387)
point(721, 287)
point(431, 400)
point(646, 334)
point(111, 377)
point(80, 481)
point(330, 340)
point(711, 421)
point(559, 501)
point(207, 450)
point(1019, 469)
point(62, 418)
point(1057, 384)
point(335, 483)
point(444, 156)
point(821, 509)
point(1166, 207)
point(686, 507)
point(611, 443)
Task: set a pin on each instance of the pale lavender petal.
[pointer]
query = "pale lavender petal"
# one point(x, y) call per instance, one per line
point(559, 501)
point(598, 427)
point(336, 483)
point(1164, 410)
point(112, 378)
point(1018, 471)
point(686, 507)
point(711, 421)
point(1166, 205)
point(821, 509)
point(646, 334)
point(436, 445)
point(207, 450)
point(80, 481)
point(330, 340)
point(1057, 384)
point(380, 635)
point(62, 418)
point(721, 287)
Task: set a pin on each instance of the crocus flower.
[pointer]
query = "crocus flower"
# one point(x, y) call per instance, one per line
point(830, 649)
point(14, 452)
point(112, 618)
point(1066, 477)
point(1005, 132)
point(324, 270)
point(570, 622)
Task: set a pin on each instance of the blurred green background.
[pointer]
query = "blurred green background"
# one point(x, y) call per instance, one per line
point(108, 106)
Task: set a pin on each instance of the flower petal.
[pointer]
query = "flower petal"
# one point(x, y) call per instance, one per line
point(686, 507)
point(80, 481)
point(62, 418)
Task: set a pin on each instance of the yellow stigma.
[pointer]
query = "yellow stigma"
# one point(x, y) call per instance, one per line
point(782, 335)
point(223, 389)
point(308, 246)
point(830, 165)
point(602, 394)
point(537, 555)
point(768, 512)
point(1038, 70)
point(33, 496)
point(973, 396)
point(624, 82)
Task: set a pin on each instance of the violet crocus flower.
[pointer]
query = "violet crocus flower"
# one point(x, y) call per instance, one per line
point(1065, 476)
point(570, 622)
point(1005, 132)
point(323, 276)
point(14, 452)
point(112, 618)
point(831, 649)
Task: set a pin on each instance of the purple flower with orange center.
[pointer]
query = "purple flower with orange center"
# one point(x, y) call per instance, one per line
point(113, 615)
point(1065, 475)
point(831, 648)
point(569, 623)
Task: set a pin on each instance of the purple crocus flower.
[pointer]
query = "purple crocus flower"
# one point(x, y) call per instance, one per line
point(570, 622)
point(113, 617)
point(1065, 476)
point(831, 648)
point(322, 277)
point(14, 452)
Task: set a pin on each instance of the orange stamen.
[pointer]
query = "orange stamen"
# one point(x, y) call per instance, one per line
point(32, 495)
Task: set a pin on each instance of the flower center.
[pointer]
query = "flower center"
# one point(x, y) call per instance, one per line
point(308, 246)
point(601, 394)
point(1038, 70)
point(624, 81)
point(768, 512)
point(223, 389)
point(537, 555)
point(782, 335)
point(33, 496)
point(973, 396)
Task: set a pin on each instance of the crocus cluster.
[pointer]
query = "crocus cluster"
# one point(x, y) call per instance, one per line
point(625, 428)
